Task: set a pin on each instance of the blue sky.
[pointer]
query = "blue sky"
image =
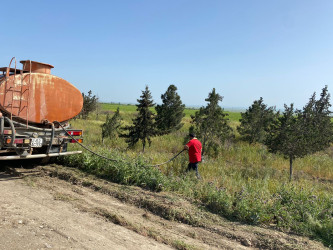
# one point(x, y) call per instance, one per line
point(279, 50)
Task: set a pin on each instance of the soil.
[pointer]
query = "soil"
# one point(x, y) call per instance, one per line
point(61, 208)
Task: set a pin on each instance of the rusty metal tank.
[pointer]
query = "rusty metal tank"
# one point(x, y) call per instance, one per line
point(33, 95)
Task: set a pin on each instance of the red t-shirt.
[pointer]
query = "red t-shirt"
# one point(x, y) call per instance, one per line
point(194, 151)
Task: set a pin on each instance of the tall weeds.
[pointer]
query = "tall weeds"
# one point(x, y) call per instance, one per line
point(243, 182)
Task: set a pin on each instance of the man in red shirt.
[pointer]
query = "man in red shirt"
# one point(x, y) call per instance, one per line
point(194, 152)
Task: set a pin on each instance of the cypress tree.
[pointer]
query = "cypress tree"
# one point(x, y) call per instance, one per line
point(170, 113)
point(316, 118)
point(90, 103)
point(286, 136)
point(255, 121)
point(210, 124)
point(111, 127)
point(143, 127)
point(301, 132)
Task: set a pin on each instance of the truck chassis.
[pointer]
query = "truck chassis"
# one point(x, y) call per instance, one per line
point(19, 141)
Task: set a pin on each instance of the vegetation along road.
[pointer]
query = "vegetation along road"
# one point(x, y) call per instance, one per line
point(62, 208)
point(266, 180)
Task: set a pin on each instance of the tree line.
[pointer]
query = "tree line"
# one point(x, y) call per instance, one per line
point(293, 132)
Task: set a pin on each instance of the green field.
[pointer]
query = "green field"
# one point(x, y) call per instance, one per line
point(233, 116)
point(243, 182)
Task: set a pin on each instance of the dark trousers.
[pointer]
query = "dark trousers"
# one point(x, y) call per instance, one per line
point(194, 166)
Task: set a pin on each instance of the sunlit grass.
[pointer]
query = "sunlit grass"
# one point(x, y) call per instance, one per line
point(238, 155)
point(244, 181)
point(130, 108)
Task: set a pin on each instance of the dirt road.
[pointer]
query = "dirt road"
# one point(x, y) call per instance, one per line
point(55, 207)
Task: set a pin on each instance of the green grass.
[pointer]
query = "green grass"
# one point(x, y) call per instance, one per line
point(130, 108)
point(122, 107)
point(244, 182)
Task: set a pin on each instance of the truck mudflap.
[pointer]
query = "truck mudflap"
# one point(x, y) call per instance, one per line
point(34, 156)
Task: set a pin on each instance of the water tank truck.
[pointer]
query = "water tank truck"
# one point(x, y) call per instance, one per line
point(35, 110)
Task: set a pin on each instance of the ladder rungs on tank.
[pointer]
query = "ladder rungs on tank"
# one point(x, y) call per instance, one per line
point(12, 88)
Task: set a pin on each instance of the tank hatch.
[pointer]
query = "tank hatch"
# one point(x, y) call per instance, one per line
point(36, 67)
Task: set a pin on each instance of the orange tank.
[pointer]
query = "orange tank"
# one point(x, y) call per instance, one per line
point(35, 96)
